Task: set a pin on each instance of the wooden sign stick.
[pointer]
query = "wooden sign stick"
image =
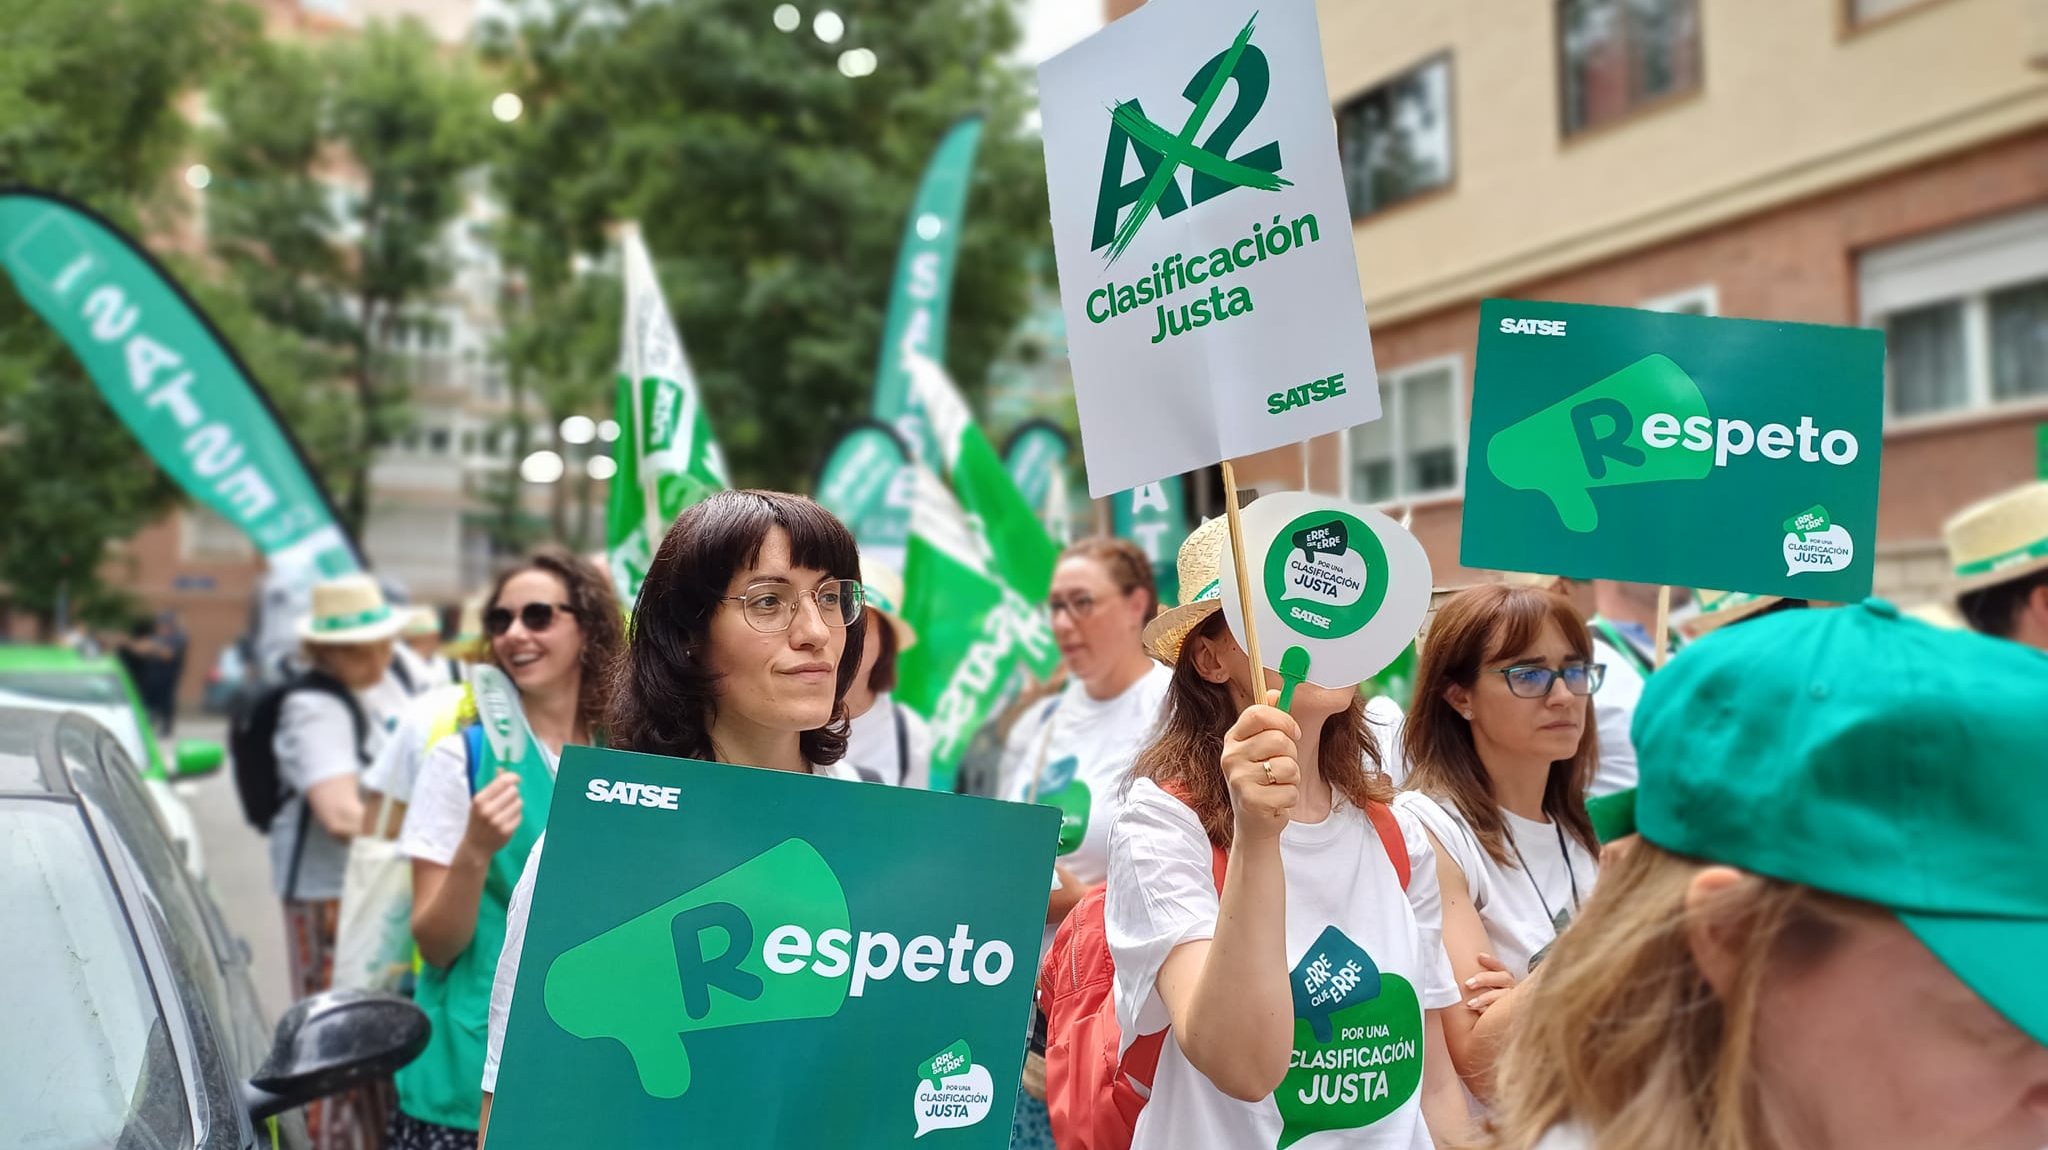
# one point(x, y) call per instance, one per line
point(1244, 583)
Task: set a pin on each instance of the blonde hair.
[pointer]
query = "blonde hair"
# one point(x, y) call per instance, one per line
point(1621, 1032)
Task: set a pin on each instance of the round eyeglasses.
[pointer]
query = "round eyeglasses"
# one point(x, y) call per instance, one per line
point(771, 607)
point(1535, 682)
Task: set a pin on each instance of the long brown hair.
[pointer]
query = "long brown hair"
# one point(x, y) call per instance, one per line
point(1621, 1032)
point(596, 608)
point(1471, 626)
point(1186, 756)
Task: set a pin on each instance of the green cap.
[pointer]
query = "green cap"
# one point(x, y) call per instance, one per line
point(1872, 757)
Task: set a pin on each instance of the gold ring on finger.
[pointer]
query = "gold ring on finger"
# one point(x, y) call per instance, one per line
point(1268, 768)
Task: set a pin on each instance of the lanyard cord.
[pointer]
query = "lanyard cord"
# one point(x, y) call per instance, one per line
point(1569, 871)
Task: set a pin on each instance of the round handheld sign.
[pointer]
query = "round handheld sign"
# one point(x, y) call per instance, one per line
point(1338, 585)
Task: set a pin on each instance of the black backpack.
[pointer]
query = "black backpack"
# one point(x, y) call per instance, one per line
point(251, 742)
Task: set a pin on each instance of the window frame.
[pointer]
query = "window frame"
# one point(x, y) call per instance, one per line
point(1674, 302)
point(1848, 26)
point(1568, 134)
point(1445, 56)
point(1966, 264)
point(1460, 418)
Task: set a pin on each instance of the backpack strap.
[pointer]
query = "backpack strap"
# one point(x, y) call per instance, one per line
point(902, 742)
point(401, 673)
point(1391, 838)
point(473, 752)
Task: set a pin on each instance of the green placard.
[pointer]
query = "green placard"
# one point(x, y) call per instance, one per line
point(2041, 452)
point(722, 956)
point(1155, 517)
point(1661, 448)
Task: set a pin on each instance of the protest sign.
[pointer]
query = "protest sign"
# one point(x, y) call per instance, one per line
point(1338, 587)
point(854, 972)
point(1036, 458)
point(1676, 449)
point(1203, 239)
point(1155, 517)
point(867, 482)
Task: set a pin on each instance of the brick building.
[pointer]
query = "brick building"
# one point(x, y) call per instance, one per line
point(1875, 162)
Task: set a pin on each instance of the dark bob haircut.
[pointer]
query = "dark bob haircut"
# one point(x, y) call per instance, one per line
point(664, 698)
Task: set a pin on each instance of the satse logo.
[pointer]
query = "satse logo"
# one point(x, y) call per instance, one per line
point(1532, 326)
point(1162, 153)
point(633, 794)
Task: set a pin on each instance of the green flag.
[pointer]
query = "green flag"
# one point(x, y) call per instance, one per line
point(866, 482)
point(159, 363)
point(1036, 458)
point(915, 326)
point(667, 457)
point(978, 565)
point(1154, 516)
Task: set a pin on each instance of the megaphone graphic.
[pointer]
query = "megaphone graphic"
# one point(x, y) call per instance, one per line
point(1594, 438)
point(694, 963)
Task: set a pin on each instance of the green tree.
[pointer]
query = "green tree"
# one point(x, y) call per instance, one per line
point(339, 169)
point(772, 189)
point(89, 107)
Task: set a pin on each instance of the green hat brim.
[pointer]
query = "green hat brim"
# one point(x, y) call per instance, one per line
point(1984, 953)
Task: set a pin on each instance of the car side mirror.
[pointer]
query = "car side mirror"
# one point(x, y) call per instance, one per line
point(196, 757)
point(332, 1042)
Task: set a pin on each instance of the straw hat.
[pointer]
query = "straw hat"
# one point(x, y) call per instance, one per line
point(350, 609)
point(1201, 572)
point(421, 622)
point(882, 588)
point(1999, 540)
point(1720, 608)
point(468, 642)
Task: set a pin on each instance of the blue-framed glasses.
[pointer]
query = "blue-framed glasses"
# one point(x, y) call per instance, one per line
point(1535, 682)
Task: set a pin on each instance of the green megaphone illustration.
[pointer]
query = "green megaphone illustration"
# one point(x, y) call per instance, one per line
point(695, 963)
point(1594, 438)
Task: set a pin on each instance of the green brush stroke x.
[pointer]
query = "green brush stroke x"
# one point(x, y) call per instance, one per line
point(1181, 149)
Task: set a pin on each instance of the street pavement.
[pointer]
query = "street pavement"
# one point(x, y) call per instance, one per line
point(238, 867)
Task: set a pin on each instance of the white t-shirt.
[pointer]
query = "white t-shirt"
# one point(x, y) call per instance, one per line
point(1352, 940)
point(873, 751)
point(315, 742)
point(1568, 1136)
point(398, 764)
point(438, 813)
point(1088, 748)
point(1386, 720)
point(1614, 709)
point(1512, 903)
point(516, 912)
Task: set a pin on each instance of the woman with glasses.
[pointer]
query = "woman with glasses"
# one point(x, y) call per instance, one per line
point(553, 629)
point(1501, 747)
point(746, 635)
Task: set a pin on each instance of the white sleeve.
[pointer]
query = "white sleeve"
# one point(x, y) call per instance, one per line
point(508, 964)
point(1161, 894)
point(918, 734)
point(1438, 987)
point(316, 740)
point(1020, 750)
point(438, 813)
point(1457, 839)
point(398, 763)
point(1614, 710)
point(1386, 721)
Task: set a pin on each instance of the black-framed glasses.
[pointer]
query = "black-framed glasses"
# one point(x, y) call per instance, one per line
point(771, 607)
point(538, 617)
point(1535, 682)
point(1079, 606)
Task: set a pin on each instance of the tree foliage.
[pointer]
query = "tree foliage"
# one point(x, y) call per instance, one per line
point(773, 190)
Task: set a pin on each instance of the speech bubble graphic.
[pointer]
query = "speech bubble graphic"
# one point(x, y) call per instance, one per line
point(1829, 550)
point(1814, 518)
point(1594, 438)
point(695, 963)
point(1058, 788)
point(959, 1100)
point(1329, 539)
point(1357, 1053)
point(1334, 580)
point(1335, 973)
point(954, 1059)
point(1324, 561)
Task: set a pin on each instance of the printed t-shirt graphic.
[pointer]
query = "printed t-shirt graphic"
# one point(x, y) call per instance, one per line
point(1092, 744)
point(1365, 962)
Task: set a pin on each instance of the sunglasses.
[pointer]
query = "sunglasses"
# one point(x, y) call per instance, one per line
point(538, 617)
point(1535, 682)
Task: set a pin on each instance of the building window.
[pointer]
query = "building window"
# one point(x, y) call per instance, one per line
point(1965, 316)
point(437, 441)
point(1618, 55)
point(1701, 300)
point(1413, 449)
point(205, 535)
point(1395, 140)
point(1866, 11)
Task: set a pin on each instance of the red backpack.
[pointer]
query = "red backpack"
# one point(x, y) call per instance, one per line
point(1092, 1095)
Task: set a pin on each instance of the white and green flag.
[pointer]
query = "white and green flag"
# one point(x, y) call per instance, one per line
point(667, 457)
point(977, 568)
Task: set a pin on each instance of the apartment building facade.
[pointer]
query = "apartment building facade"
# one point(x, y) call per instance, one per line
point(1866, 162)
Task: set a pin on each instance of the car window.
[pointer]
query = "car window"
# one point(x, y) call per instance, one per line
point(98, 695)
point(87, 1061)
